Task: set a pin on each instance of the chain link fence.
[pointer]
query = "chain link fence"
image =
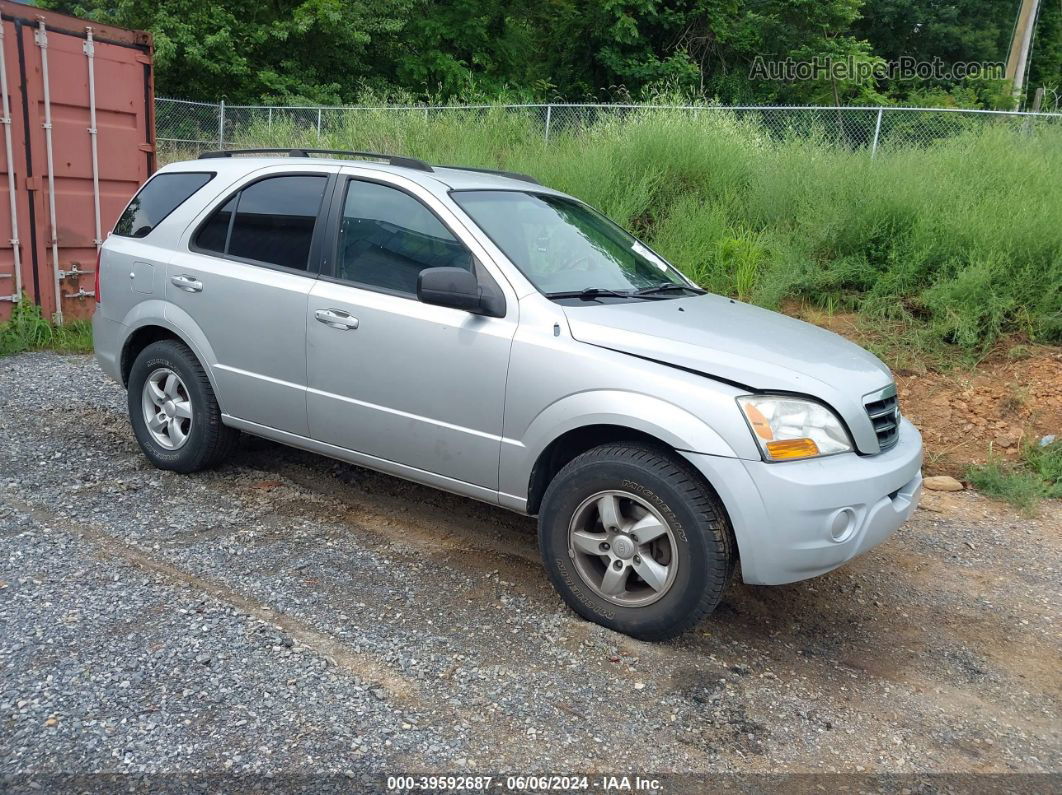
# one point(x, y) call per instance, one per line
point(185, 129)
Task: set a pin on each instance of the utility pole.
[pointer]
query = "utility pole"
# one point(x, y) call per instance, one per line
point(1020, 45)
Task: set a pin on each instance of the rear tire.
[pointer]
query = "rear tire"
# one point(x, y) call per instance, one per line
point(592, 514)
point(173, 411)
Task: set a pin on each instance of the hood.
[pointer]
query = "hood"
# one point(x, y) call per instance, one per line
point(743, 344)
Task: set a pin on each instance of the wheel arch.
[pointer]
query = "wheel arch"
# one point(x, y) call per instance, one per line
point(148, 324)
point(586, 419)
point(138, 340)
point(573, 443)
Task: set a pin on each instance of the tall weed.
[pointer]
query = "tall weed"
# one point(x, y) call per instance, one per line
point(27, 329)
point(958, 242)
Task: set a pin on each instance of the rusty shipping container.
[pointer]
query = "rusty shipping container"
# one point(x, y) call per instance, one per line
point(79, 139)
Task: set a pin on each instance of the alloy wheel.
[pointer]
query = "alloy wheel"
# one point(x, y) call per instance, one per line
point(167, 408)
point(622, 548)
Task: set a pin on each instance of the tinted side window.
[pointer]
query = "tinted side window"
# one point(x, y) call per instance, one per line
point(274, 221)
point(214, 234)
point(160, 196)
point(386, 238)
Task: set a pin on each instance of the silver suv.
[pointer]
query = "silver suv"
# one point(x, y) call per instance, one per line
point(477, 332)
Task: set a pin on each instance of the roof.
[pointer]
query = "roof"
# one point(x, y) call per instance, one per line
point(452, 177)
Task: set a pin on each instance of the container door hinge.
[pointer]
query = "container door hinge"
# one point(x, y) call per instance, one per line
point(144, 59)
point(75, 272)
point(33, 183)
point(146, 147)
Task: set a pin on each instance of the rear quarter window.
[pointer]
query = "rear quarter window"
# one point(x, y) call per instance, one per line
point(160, 196)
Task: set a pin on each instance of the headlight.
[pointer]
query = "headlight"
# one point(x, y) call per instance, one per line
point(788, 428)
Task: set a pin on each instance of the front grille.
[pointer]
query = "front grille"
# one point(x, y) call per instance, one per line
point(884, 415)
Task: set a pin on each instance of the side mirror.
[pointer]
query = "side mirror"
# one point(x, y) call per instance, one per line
point(459, 289)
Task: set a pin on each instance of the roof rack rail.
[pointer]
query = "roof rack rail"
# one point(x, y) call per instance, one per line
point(394, 160)
point(497, 172)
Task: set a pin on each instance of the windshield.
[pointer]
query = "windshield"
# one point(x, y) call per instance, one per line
point(563, 246)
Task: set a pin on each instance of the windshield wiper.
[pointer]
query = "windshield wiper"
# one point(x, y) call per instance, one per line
point(592, 292)
point(666, 287)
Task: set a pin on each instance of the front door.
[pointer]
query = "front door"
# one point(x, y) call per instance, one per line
point(390, 377)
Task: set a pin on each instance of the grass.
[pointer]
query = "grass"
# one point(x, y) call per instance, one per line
point(28, 330)
point(1037, 476)
point(944, 247)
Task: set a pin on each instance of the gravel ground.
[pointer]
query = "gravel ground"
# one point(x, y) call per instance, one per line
point(287, 613)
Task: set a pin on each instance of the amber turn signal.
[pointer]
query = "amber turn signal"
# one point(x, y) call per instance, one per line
point(792, 448)
point(759, 423)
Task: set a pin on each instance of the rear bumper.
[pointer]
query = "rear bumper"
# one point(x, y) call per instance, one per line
point(800, 519)
point(108, 336)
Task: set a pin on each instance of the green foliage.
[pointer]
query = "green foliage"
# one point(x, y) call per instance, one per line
point(1012, 484)
point(1045, 461)
point(338, 51)
point(809, 30)
point(953, 32)
point(1024, 484)
point(461, 48)
point(1045, 71)
point(745, 254)
point(308, 51)
point(28, 330)
point(944, 247)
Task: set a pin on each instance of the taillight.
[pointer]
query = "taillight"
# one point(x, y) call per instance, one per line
point(96, 287)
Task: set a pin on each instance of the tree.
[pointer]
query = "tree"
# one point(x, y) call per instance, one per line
point(696, 47)
point(808, 32)
point(451, 48)
point(331, 51)
point(1045, 70)
point(960, 31)
point(241, 50)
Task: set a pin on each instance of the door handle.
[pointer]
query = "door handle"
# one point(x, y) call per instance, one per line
point(189, 284)
point(336, 318)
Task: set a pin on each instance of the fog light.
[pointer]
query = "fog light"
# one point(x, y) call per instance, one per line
point(842, 524)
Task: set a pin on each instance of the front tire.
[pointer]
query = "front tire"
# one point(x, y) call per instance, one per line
point(173, 411)
point(635, 540)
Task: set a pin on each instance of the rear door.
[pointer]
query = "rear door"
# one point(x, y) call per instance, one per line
point(243, 279)
point(422, 386)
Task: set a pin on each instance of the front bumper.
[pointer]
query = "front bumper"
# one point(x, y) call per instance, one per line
point(799, 519)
